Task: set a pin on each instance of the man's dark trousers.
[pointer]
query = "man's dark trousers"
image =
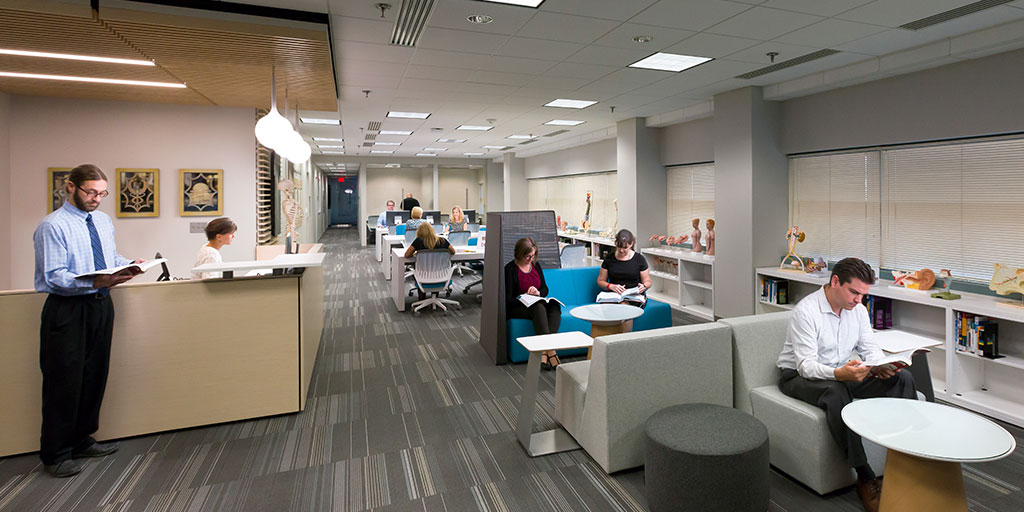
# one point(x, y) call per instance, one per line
point(74, 355)
point(832, 396)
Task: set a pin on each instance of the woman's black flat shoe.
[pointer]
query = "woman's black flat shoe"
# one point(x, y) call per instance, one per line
point(553, 361)
point(544, 364)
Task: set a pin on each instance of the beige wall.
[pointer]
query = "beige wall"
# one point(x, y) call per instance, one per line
point(60, 132)
point(384, 184)
point(5, 185)
point(453, 186)
point(688, 143)
point(594, 157)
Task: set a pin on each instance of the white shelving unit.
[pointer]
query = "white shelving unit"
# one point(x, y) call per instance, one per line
point(682, 280)
point(994, 387)
point(594, 244)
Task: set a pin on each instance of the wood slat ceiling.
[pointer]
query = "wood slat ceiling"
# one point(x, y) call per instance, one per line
point(225, 63)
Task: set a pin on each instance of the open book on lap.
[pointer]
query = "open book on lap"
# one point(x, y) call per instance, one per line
point(630, 294)
point(529, 300)
point(898, 360)
point(114, 270)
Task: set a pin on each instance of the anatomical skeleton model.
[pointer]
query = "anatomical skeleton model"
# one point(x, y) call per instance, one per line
point(585, 223)
point(795, 236)
point(293, 213)
point(921, 280)
point(695, 237)
point(1007, 280)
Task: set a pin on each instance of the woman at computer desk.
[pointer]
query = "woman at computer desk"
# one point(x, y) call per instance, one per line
point(457, 222)
point(219, 232)
point(426, 238)
point(417, 219)
point(625, 269)
point(523, 276)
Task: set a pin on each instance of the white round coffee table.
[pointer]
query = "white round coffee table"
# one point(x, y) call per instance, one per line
point(605, 318)
point(926, 444)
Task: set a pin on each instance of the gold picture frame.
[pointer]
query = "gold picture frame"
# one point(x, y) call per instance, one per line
point(138, 192)
point(201, 192)
point(57, 192)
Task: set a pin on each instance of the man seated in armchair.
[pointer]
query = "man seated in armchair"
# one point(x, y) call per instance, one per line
point(825, 327)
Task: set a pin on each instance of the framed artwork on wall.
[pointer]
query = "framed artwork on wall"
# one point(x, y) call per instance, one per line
point(57, 193)
point(202, 192)
point(138, 192)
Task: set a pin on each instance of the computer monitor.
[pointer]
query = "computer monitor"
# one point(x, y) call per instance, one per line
point(404, 215)
point(432, 216)
point(470, 216)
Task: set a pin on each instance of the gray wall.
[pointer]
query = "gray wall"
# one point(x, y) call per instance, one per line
point(495, 187)
point(594, 157)
point(5, 184)
point(975, 97)
point(688, 143)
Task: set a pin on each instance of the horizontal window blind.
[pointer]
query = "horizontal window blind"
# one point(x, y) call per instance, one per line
point(691, 195)
point(567, 196)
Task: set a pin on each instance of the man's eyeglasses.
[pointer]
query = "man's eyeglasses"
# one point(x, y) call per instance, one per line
point(93, 193)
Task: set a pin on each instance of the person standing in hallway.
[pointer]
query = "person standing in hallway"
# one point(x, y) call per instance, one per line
point(77, 320)
point(409, 202)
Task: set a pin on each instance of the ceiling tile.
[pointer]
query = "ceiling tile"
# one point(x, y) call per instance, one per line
point(623, 101)
point(608, 9)
point(300, 5)
point(453, 13)
point(357, 9)
point(487, 89)
point(566, 27)
point(814, 66)
point(345, 28)
point(758, 54)
point(580, 70)
point(763, 23)
point(465, 60)
point(499, 78)
point(360, 80)
point(622, 37)
point(699, 76)
point(608, 56)
point(538, 48)
point(370, 67)
point(365, 51)
point(816, 7)
point(428, 85)
point(438, 73)
point(829, 33)
point(455, 40)
point(689, 14)
point(607, 85)
point(711, 45)
point(558, 82)
point(886, 42)
point(515, 65)
point(894, 14)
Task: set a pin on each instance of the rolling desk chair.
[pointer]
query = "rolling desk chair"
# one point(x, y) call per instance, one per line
point(433, 275)
point(574, 255)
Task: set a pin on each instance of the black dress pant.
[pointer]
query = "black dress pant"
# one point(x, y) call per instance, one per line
point(832, 396)
point(546, 316)
point(74, 355)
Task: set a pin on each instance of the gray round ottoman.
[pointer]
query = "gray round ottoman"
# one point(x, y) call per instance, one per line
point(705, 457)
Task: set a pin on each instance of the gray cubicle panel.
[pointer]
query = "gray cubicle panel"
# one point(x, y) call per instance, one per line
point(503, 230)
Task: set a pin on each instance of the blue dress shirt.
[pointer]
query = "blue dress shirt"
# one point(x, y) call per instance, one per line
point(63, 250)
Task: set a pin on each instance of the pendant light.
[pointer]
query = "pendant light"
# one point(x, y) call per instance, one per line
point(272, 129)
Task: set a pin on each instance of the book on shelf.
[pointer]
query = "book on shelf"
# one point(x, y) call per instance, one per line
point(630, 294)
point(977, 334)
point(896, 361)
point(529, 300)
point(115, 270)
point(879, 311)
point(774, 291)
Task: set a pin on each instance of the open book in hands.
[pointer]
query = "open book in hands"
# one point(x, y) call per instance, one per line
point(896, 361)
point(631, 294)
point(133, 268)
point(529, 300)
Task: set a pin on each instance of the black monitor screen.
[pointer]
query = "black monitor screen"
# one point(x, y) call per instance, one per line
point(470, 216)
point(432, 216)
point(393, 215)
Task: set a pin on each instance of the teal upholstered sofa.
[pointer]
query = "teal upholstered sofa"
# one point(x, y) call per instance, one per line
point(576, 287)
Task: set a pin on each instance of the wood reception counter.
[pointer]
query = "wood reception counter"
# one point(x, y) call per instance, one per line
point(184, 354)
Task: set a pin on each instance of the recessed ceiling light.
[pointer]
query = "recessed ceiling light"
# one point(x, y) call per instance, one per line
point(425, 154)
point(474, 128)
point(330, 146)
point(332, 152)
point(328, 139)
point(493, 147)
point(392, 166)
point(564, 122)
point(435, 149)
point(524, 3)
point(409, 115)
point(387, 143)
point(521, 137)
point(482, 19)
point(396, 132)
point(643, 39)
point(472, 154)
point(669, 62)
point(563, 103)
point(381, 152)
point(316, 120)
point(457, 141)
point(114, 81)
point(69, 56)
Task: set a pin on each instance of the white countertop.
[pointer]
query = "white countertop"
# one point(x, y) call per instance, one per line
point(280, 261)
point(556, 341)
point(606, 314)
point(928, 430)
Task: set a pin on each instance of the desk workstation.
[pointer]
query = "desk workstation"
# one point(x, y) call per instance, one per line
point(399, 290)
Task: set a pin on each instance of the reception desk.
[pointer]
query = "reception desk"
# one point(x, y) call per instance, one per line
point(184, 354)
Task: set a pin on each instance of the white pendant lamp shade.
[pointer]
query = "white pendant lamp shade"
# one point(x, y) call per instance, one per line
point(294, 148)
point(272, 129)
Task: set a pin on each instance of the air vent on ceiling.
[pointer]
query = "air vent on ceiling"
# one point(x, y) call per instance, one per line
point(374, 126)
point(788, 63)
point(371, 136)
point(367, 144)
point(531, 141)
point(412, 17)
point(559, 132)
point(953, 14)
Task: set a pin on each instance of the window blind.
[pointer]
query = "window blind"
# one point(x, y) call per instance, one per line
point(691, 194)
point(264, 191)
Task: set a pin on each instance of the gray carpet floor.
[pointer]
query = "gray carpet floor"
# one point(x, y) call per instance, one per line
point(404, 413)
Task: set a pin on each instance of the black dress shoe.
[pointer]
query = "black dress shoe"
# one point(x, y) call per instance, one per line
point(63, 469)
point(95, 450)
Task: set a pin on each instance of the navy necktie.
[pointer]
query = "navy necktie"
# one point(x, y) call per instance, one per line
point(98, 261)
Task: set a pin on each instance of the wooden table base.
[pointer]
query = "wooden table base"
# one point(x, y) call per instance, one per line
point(603, 330)
point(913, 483)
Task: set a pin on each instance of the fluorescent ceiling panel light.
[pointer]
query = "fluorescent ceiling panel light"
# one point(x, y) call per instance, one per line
point(409, 115)
point(523, 3)
point(316, 120)
point(435, 149)
point(493, 147)
point(521, 137)
point(381, 152)
point(563, 103)
point(91, 79)
point(474, 128)
point(392, 166)
point(329, 146)
point(332, 152)
point(459, 141)
point(328, 139)
point(472, 154)
point(425, 154)
point(69, 56)
point(669, 62)
point(396, 132)
point(564, 122)
point(387, 143)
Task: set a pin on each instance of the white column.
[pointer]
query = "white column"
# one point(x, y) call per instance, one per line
point(361, 190)
point(435, 203)
point(495, 187)
point(516, 196)
point(641, 179)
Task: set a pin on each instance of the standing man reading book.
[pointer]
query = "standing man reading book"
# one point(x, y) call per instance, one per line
point(825, 328)
point(77, 320)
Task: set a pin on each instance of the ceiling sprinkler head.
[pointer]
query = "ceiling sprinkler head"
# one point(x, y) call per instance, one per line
point(643, 39)
point(612, 108)
point(383, 7)
point(491, 121)
point(366, 93)
point(772, 55)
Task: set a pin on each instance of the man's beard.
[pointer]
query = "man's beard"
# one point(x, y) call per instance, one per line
point(81, 204)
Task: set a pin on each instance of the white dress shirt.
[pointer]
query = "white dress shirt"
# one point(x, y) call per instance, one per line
point(206, 255)
point(819, 341)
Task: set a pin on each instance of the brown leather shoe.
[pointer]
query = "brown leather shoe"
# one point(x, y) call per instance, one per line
point(870, 493)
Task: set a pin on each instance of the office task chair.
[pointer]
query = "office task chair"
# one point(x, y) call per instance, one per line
point(473, 228)
point(574, 255)
point(433, 275)
point(410, 235)
point(165, 275)
point(459, 239)
point(438, 228)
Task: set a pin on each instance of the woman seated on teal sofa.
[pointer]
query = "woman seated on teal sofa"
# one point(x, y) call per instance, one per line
point(625, 269)
point(523, 275)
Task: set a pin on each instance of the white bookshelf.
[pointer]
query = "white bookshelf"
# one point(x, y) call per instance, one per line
point(682, 280)
point(994, 387)
point(594, 244)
